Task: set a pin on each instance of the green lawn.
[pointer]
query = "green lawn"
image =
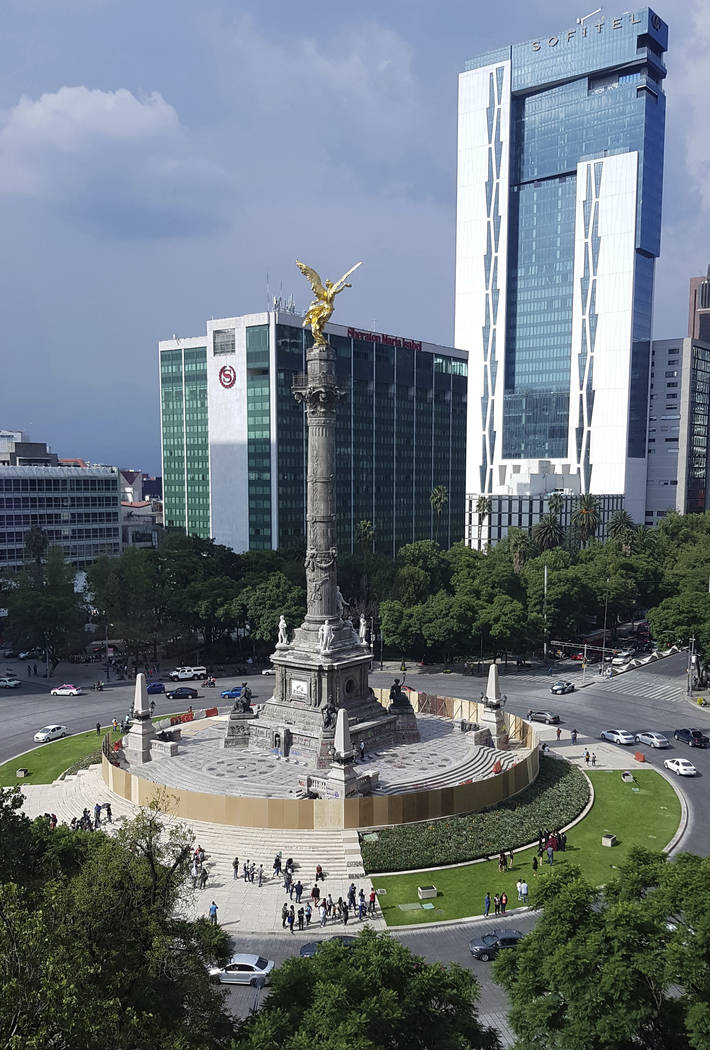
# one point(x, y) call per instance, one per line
point(48, 761)
point(647, 817)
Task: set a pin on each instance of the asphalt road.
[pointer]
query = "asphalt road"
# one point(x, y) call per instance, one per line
point(647, 698)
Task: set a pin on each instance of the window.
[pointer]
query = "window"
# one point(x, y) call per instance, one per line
point(224, 341)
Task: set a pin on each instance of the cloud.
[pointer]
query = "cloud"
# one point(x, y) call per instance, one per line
point(109, 158)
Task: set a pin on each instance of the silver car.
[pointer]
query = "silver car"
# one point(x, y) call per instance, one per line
point(652, 739)
point(617, 736)
point(244, 969)
point(47, 733)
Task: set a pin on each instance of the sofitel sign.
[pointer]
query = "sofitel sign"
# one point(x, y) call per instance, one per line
point(598, 27)
point(387, 340)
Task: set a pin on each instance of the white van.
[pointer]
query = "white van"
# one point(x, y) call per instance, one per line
point(185, 674)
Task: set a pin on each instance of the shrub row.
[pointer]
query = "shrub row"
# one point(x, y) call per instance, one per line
point(558, 795)
point(82, 763)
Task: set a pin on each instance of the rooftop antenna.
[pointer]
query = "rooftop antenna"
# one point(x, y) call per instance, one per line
point(583, 19)
point(268, 293)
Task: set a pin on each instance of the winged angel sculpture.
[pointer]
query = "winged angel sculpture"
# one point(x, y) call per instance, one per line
point(321, 309)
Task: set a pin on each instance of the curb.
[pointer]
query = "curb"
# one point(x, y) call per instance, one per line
point(672, 846)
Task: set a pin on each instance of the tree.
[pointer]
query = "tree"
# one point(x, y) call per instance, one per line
point(376, 995)
point(520, 547)
point(505, 623)
point(439, 498)
point(45, 610)
point(399, 626)
point(622, 528)
point(619, 968)
point(555, 504)
point(36, 545)
point(585, 517)
point(679, 617)
point(97, 920)
point(548, 532)
point(131, 594)
point(484, 505)
point(264, 603)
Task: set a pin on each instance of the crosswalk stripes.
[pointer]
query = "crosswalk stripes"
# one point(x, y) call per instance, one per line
point(647, 686)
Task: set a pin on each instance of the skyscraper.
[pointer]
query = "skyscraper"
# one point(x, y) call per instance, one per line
point(560, 170)
point(234, 438)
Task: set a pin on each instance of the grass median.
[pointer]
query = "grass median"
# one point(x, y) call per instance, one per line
point(46, 762)
point(644, 813)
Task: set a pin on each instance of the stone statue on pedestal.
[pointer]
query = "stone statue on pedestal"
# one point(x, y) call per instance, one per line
point(283, 632)
point(363, 630)
point(325, 637)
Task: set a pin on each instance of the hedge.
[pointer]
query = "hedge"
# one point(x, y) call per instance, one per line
point(82, 763)
point(559, 794)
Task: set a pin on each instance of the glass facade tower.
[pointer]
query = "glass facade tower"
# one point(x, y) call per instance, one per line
point(400, 431)
point(560, 171)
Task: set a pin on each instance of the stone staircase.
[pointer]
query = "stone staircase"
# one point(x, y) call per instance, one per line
point(478, 766)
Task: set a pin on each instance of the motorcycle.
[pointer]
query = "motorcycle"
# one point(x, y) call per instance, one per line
point(210, 683)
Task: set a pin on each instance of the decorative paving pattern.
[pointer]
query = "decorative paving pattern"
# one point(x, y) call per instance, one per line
point(444, 755)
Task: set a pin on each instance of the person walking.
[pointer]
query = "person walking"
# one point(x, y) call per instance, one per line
point(486, 905)
point(329, 905)
point(345, 915)
point(98, 729)
point(277, 865)
point(97, 814)
point(235, 867)
point(203, 877)
point(524, 890)
point(373, 900)
point(323, 913)
point(300, 918)
point(587, 757)
point(573, 735)
point(252, 872)
point(496, 904)
point(290, 919)
point(503, 903)
point(109, 814)
point(284, 915)
point(558, 732)
point(308, 911)
point(213, 913)
point(299, 890)
point(261, 875)
point(245, 871)
point(550, 855)
point(519, 887)
point(195, 872)
point(594, 759)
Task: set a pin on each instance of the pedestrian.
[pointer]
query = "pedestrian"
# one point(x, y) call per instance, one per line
point(339, 907)
point(299, 890)
point(97, 814)
point(109, 815)
point(503, 902)
point(329, 905)
point(496, 904)
point(290, 918)
point(291, 885)
point(373, 900)
point(35, 669)
point(284, 916)
point(98, 729)
point(562, 841)
point(277, 865)
point(203, 878)
point(235, 867)
point(502, 863)
point(195, 872)
point(573, 734)
point(351, 895)
point(315, 894)
point(245, 871)
point(361, 910)
point(511, 855)
point(213, 913)
point(524, 890)
point(519, 887)
point(300, 918)
point(252, 872)
point(323, 913)
point(486, 905)
point(534, 864)
point(539, 837)
point(558, 731)
point(550, 855)
point(319, 873)
point(345, 915)
point(594, 759)
point(586, 758)
point(308, 912)
point(261, 874)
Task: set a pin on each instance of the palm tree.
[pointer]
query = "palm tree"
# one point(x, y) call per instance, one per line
point(548, 533)
point(585, 517)
point(483, 509)
point(555, 503)
point(520, 548)
point(622, 528)
point(439, 498)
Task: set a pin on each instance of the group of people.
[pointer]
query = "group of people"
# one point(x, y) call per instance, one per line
point(500, 903)
point(88, 823)
point(548, 843)
point(249, 871)
point(355, 904)
point(505, 860)
point(198, 871)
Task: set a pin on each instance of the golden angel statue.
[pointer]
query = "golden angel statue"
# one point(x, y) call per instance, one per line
point(321, 309)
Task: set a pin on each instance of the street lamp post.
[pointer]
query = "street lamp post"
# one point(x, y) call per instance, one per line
point(691, 664)
point(606, 611)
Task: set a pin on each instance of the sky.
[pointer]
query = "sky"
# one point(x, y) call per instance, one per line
point(163, 162)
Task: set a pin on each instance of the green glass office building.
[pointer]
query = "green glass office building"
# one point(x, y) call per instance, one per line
point(234, 438)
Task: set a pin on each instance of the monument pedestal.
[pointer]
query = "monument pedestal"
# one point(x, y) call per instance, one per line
point(238, 728)
point(137, 743)
point(406, 729)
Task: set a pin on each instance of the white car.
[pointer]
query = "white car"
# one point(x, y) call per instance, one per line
point(652, 739)
point(187, 674)
point(66, 690)
point(620, 660)
point(617, 736)
point(8, 681)
point(50, 733)
point(681, 767)
point(244, 969)
point(269, 670)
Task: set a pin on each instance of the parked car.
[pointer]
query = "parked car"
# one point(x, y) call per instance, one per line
point(307, 951)
point(183, 692)
point(578, 657)
point(617, 736)
point(543, 716)
point(156, 687)
point(488, 946)
point(652, 739)
point(681, 767)
point(244, 969)
point(32, 654)
point(562, 687)
point(66, 690)
point(50, 733)
point(9, 654)
point(186, 674)
point(619, 660)
point(8, 681)
point(691, 737)
point(269, 670)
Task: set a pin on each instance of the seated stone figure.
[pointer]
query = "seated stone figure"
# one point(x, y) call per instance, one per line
point(397, 695)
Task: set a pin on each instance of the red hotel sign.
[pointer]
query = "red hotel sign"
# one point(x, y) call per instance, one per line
point(387, 340)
